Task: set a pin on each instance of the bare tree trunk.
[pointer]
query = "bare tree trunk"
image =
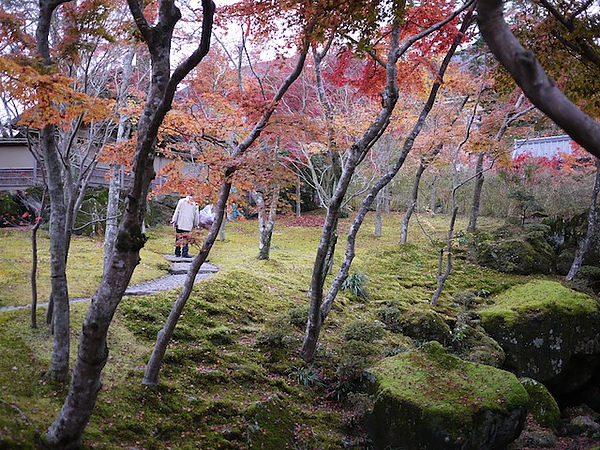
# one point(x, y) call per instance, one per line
point(59, 364)
point(425, 161)
point(34, 261)
point(477, 188)
point(432, 196)
point(530, 76)
point(378, 217)
point(114, 188)
point(66, 431)
point(591, 228)
point(266, 222)
point(166, 333)
point(386, 199)
point(298, 197)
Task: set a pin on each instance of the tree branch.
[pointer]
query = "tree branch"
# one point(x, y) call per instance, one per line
point(529, 75)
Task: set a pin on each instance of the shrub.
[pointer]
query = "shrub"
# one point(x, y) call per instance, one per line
point(306, 376)
point(298, 316)
point(355, 284)
point(363, 331)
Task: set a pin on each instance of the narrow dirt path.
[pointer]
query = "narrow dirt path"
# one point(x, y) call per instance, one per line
point(177, 273)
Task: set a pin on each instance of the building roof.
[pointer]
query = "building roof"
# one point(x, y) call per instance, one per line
point(544, 147)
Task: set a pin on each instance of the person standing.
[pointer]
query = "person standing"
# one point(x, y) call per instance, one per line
point(185, 218)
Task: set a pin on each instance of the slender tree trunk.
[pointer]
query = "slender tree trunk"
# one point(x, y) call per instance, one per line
point(66, 431)
point(432, 196)
point(378, 218)
point(114, 188)
point(59, 297)
point(166, 333)
point(59, 365)
point(591, 228)
point(412, 204)
point(477, 188)
point(384, 181)
point(386, 199)
point(266, 222)
point(425, 161)
point(357, 153)
point(335, 159)
point(34, 260)
point(298, 197)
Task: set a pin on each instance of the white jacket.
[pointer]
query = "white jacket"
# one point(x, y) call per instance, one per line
point(186, 215)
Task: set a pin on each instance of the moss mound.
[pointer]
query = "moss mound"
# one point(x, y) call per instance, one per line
point(429, 399)
point(542, 405)
point(543, 327)
point(515, 251)
point(421, 324)
point(270, 425)
point(473, 345)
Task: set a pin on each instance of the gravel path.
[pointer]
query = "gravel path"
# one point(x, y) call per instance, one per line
point(175, 278)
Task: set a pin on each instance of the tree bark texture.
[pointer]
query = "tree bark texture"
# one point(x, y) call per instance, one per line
point(477, 188)
point(591, 228)
point(59, 297)
point(529, 75)
point(67, 430)
point(266, 222)
point(34, 261)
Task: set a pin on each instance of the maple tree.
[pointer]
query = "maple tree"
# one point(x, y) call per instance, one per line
point(67, 429)
point(50, 95)
point(234, 162)
point(318, 308)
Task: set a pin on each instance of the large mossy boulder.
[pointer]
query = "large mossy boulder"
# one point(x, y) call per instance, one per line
point(428, 399)
point(548, 332)
point(420, 324)
point(542, 406)
point(515, 250)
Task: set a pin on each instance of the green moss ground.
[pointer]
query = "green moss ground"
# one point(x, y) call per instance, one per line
point(84, 268)
point(539, 296)
point(236, 344)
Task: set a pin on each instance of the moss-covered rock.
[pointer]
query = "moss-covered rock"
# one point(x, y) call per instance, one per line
point(513, 256)
point(426, 325)
point(473, 345)
point(429, 399)
point(548, 332)
point(542, 406)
